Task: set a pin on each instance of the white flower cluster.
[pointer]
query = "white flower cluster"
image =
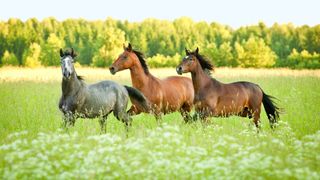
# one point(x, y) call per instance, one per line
point(168, 152)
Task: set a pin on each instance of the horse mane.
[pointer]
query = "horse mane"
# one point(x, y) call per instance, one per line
point(142, 61)
point(205, 63)
point(80, 78)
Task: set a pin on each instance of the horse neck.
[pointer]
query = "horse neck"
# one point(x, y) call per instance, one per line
point(138, 77)
point(72, 85)
point(199, 78)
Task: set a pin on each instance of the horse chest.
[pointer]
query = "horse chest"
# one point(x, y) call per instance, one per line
point(68, 105)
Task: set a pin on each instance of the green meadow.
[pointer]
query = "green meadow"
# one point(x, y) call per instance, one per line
point(32, 145)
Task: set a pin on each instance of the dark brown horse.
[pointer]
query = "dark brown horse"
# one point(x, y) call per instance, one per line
point(166, 95)
point(213, 98)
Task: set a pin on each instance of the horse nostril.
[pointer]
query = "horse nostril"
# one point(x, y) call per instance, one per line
point(179, 70)
point(112, 70)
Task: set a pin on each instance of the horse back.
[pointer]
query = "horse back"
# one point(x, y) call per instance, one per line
point(107, 95)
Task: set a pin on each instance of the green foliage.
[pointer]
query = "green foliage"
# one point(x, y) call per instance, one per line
point(254, 53)
point(222, 56)
point(32, 56)
point(9, 59)
point(303, 60)
point(99, 42)
point(160, 60)
point(112, 41)
point(50, 54)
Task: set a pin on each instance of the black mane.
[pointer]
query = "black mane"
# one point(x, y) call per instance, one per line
point(80, 78)
point(142, 61)
point(204, 62)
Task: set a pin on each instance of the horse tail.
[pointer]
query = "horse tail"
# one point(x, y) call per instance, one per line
point(271, 109)
point(137, 97)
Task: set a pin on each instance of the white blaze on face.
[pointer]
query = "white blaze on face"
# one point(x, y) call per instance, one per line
point(67, 64)
point(186, 57)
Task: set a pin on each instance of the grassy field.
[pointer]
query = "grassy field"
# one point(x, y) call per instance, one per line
point(33, 147)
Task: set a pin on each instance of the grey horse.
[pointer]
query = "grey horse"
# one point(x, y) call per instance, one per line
point(97, 100)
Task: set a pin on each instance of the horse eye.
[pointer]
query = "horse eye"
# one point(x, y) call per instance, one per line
point(125, 57)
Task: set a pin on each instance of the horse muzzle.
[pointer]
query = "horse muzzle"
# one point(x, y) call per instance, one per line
point(112, 70)
point(66, 75)
point(179, 70)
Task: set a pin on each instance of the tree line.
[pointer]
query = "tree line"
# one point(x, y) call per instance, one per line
point(36, 43)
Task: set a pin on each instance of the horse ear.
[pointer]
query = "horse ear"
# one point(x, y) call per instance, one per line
point(197, 50)
point(187, 51)
point(61, 53)
point(129, 47)
point(73, 53)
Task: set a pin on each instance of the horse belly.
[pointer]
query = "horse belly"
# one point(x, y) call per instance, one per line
point(204, 107)
point(99, 106)
point(170, 106)
point(229, 106)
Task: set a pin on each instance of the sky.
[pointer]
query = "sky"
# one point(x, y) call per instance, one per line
point(234, 13)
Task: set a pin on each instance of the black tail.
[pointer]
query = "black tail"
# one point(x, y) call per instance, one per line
point(271, 109)
point(136, 95)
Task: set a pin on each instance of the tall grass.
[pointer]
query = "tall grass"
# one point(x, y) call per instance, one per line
point(32, 146)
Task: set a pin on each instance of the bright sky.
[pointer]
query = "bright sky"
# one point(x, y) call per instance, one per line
point(235, 13)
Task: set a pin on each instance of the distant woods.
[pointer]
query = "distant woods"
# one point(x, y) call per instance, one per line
point(36, 43)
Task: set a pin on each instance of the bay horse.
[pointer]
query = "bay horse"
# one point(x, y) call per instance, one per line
point(213, 98)
point(165, 95)
point(96, 100)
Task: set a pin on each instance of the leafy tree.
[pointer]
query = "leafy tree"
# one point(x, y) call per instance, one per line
point(160, 60)
point(99, 42)
point(9, 59)
point(50, 54)
point(254, 53)
point(304, 59)
point(221, 56)
point(32, 56)
point(112, 41)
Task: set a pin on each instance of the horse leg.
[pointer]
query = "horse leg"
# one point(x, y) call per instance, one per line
point(185, 112)
point(256, 118)
point(64, 123)
point(133, 110)
point(186, 116)
point(103, 124)
point(158, 119)
point(125, 118)
point(72, 121)
point(200, 115)
point(68, 120)
point(204, 118)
